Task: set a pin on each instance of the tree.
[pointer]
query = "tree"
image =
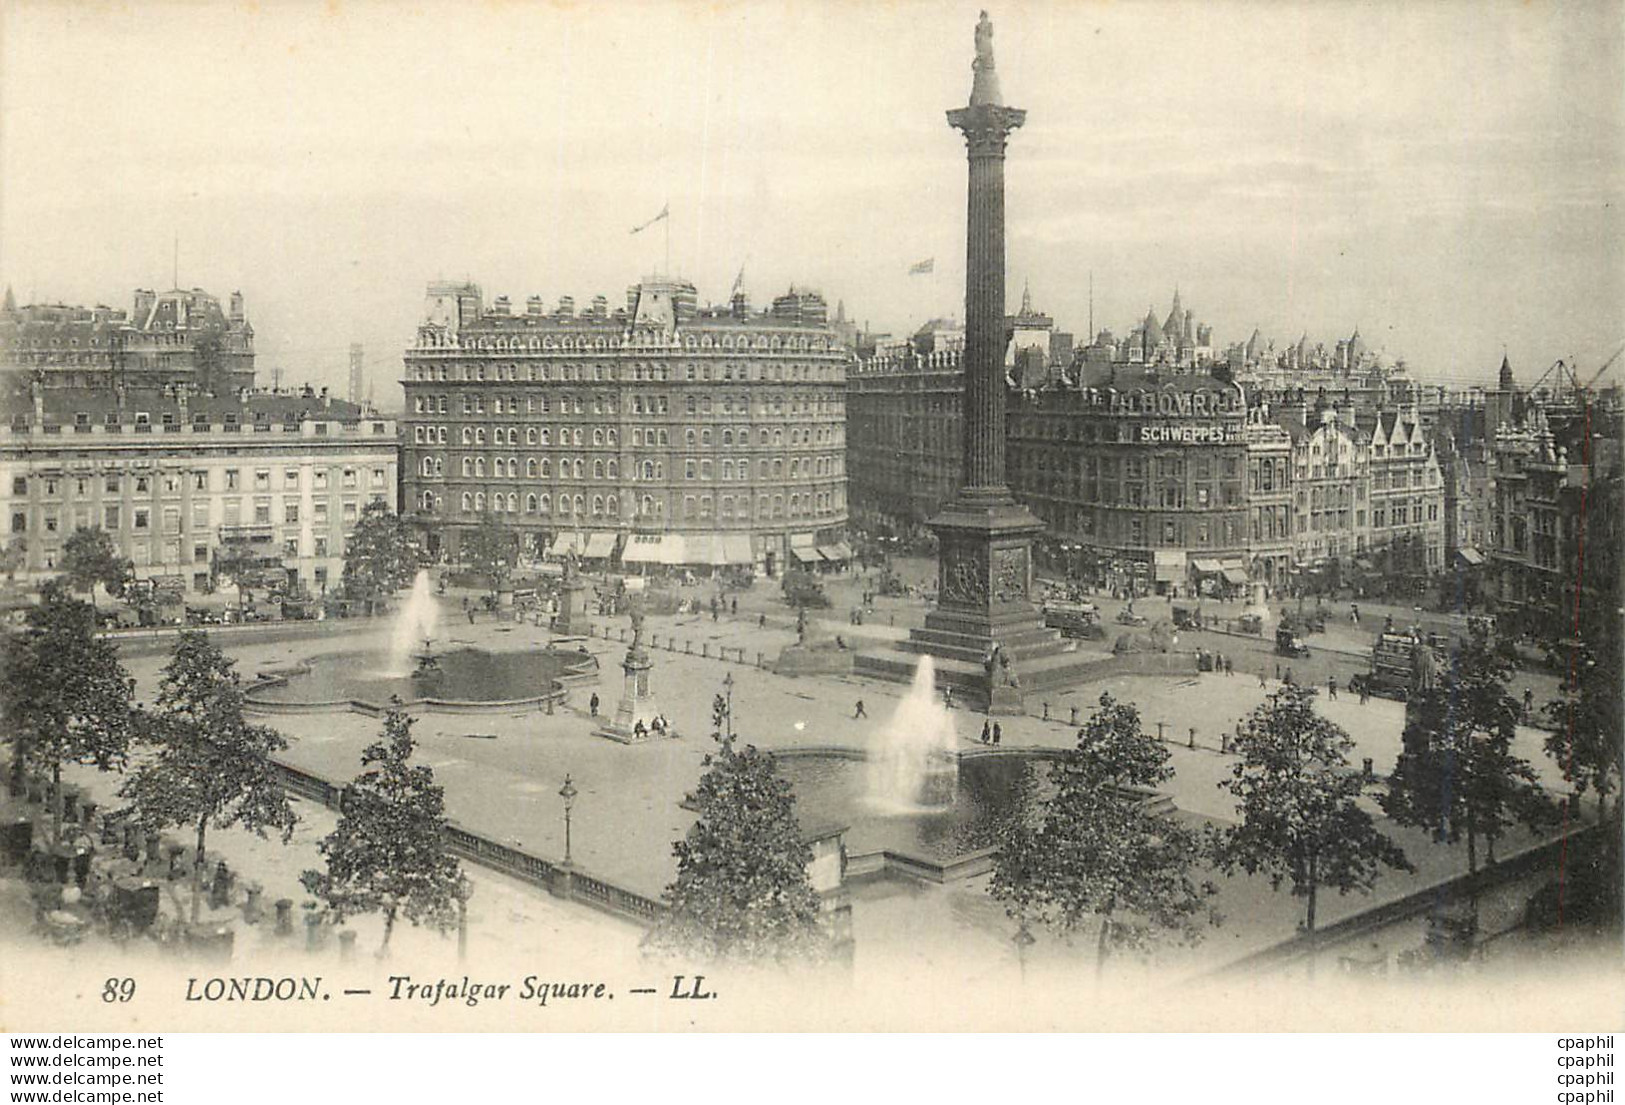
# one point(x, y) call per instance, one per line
point(65, 695)
point(491, 550)
point(742, 891)
point(89, 557)
point(1300, 821)
point(1589, 720)
point(388, 852)
point(13, 556)
point(384, 553)
point(1094, 849)
point(1457, 774)
point(242, 563)
point(211, 766)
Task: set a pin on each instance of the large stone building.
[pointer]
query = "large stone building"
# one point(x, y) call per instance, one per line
point(176, 476)
point(904, 430)
point(177, 337)
point(1556, 527)
point(660, 432)
point(1144, 468)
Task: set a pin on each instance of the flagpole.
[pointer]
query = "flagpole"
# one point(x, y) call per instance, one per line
point(667, 221)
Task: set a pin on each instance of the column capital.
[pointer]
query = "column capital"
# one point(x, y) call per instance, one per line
point(986, 126)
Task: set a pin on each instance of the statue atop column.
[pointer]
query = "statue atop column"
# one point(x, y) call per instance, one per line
point(985, 83)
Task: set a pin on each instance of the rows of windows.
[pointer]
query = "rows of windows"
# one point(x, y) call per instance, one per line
point(699, 507)
point(175, 482)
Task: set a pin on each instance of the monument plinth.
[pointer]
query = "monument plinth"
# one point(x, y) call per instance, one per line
point(635, 719)
point(987, 636)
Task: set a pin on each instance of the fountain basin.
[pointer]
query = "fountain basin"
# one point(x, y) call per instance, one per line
point(467, 680)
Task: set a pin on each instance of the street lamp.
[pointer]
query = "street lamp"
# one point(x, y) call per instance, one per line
point(567, 792)
point(728, 687)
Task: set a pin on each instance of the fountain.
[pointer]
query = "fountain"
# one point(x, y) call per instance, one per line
point(916, 766)
point(415, 623)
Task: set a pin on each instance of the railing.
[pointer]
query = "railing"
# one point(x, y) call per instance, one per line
point(555, 878)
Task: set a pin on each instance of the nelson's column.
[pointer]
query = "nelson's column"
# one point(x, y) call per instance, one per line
point(987, 637)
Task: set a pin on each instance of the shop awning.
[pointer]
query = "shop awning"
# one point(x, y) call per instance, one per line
point(1233, 574)
point(654, 548)
point(566, 543)
point(807, 554)
point(1470, 556)
point(600, 545)
point(836, 553)
point(1169, 573)
point(1207, 567)
point(736, 549)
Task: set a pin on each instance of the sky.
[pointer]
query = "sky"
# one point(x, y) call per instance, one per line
point(1444, 176)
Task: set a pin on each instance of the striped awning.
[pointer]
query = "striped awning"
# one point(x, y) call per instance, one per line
point(600, 545)
point(736, 549)
point(807, 554)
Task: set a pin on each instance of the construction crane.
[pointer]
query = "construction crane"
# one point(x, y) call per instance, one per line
point(1606, 365)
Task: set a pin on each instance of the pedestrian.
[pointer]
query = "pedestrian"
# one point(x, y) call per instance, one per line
point(998, 734)
point(1528, 703)
point(716, 612)
point(859, 712)
point(1354, 612)
point(1331, 687)
point(1263, 677)
point(1288, 678)
point(986, 732)
point(761, 621)
point(733, 605)
point(592, 704)
point(470, 613)
point(1229, 668)
point(948, 698)
point(1365, 692)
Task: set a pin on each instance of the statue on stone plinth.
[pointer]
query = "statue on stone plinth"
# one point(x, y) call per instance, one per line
point(1424, 667)
point(801, 626)
point(984, 43)
point(636, 613)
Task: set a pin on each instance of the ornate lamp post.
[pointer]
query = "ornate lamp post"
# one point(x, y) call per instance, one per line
point(728, 688)
point(567, 792)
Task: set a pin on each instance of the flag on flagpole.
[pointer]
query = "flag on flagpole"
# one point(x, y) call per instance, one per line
point(664, 212)
point(920, 268)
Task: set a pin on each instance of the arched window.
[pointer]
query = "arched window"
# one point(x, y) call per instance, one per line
point(597, 469)
point(579, 468)
point(496, 503)
point(648, 505)
point(648, 471)
point(545, 436)
point(479, 500)
point(530, 435)
point(544, 504)
point(614, 471)
point(479, 466)
point(612, 507)
point(578, 432)
point(439, 466)
point(479, 435)
point(727, 437)
point(513, 468)
point(440, 436)
point(428, 466)
point(705, 437)
point(530, 504)
point(468, 502)
point(468, 435)
point(688, 437)
point(598, 437)
point(764, 437)
point(598, 504)
point(578, 505)
point(778, 437)
point(513, 502)
point(564, 504)
point(530, 468)
point(468, 466)
point(613, 437)
point(546, 468)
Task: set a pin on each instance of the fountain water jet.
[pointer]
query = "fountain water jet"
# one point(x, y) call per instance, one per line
point(417, 620)
point(916, 766)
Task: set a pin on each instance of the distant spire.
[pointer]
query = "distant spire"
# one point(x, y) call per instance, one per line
point(1506, 370)
point(1026, 297)
point(11, 300)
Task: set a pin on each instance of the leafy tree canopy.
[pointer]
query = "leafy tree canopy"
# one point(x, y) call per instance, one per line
point(1301, 821)
point(742, 891)
point(388, 852)
point(384, 553)
point(89, 557)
